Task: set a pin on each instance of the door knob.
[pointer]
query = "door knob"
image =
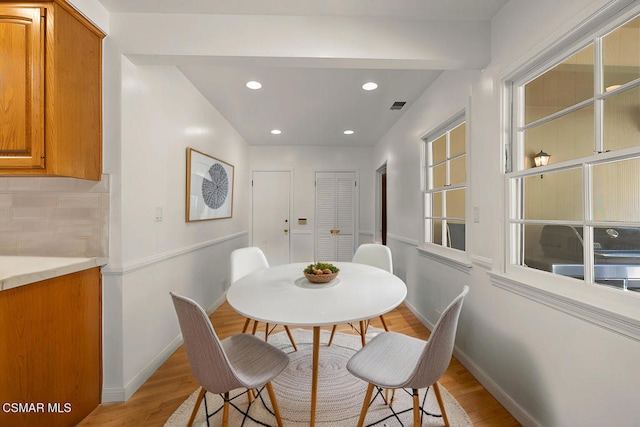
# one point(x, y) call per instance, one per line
point(286, 231)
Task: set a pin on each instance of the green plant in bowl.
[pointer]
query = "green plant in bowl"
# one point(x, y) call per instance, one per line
point(321, 268)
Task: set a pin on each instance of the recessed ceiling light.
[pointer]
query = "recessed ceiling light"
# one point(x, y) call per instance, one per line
point(348, 132)
point(276, 131)
point(254, 85)
point(370, 86)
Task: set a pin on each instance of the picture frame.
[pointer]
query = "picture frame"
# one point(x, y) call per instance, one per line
point(209, 187)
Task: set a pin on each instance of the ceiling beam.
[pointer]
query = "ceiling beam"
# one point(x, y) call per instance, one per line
point(350, 42)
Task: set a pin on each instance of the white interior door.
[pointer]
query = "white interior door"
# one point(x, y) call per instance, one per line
point(335, 216)
point(270, 214)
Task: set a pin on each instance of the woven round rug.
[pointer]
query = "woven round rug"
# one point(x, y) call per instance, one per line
point(340, 394)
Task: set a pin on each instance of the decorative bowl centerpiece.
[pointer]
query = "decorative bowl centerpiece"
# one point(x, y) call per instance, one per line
point(321, 272)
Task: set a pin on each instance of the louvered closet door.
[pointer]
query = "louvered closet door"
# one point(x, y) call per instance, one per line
point(335, 210)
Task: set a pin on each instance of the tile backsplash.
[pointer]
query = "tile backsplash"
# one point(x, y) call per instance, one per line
point(47, 216)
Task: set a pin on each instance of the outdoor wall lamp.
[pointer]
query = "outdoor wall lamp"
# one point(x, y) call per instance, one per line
point(541, 159)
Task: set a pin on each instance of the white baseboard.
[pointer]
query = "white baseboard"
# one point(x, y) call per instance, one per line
point(416, 313)
point(487, 382)
point(136, 382)
point(496, 391)
point(110, 395)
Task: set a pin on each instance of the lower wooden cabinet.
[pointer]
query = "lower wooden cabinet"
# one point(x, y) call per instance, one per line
point(50, 351)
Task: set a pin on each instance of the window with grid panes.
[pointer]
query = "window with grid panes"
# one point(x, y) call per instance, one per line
point(445, 185)
point(579, 215)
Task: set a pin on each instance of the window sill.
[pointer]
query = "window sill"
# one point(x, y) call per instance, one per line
point(450, 257)
point(609, 308)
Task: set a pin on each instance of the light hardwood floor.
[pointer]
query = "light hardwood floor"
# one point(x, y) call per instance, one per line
point(172, 383)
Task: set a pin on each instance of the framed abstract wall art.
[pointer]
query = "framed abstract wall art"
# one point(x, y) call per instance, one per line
point(209, 187)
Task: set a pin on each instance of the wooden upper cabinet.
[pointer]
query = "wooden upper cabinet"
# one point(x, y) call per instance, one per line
point(21, 87)
point(50, 91)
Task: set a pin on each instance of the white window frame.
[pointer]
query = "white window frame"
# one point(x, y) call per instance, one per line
point(601, 305)
point(455, 258)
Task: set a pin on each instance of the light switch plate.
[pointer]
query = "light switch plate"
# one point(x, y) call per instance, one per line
point(159, 214)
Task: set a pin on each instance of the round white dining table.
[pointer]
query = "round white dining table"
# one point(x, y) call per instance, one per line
point(283, 295)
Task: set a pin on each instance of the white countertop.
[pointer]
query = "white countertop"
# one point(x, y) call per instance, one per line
point(21, 270)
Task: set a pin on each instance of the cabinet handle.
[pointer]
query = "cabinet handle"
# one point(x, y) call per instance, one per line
point(335, 231)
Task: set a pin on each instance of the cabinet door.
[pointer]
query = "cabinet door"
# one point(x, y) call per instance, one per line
point(50, 349)
point(21, 87)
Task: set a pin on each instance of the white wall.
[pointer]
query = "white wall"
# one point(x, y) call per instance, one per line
point(304, 162)
point(400, 148)
point(161, 115)
point(547, 367)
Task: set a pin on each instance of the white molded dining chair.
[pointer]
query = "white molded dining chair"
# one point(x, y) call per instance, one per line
point(393, 360)
point(219, 366)
point(243, 262)
point(377, 256)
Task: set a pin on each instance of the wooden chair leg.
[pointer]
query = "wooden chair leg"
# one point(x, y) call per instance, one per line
point(416, 408)
point(250, 395)
point(266, 332)
point(436, 389)
point(225, 410)
point(384, 324)
point(274, 402)
point(333, 332)
point(363, 333)
point(246, 325)
point(196, 406)
point(293, 343)
point(365, 405)
point(255, 327)
point(386, 399)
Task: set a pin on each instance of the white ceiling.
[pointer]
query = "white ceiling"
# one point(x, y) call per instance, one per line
point(311, 104)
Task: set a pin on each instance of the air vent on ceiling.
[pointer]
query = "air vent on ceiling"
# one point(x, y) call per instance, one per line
point(398, 105)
